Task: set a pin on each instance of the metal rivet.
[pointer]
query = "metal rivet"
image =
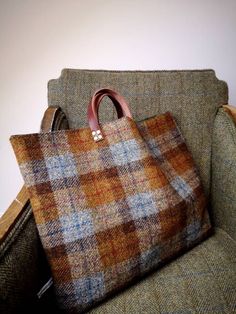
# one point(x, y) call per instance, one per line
point(98, 131)
point(100, 136)
point(95, 138)
point(93, 132)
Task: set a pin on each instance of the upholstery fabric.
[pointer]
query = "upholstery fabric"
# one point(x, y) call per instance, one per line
point(202, 281)
point(223, 196)
point(98, 240)
point(192, 96)
point(23, 267)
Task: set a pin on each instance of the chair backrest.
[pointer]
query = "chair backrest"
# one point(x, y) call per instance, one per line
point(193, 96)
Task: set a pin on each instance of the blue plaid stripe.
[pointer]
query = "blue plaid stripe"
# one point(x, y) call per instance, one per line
point(61, 166)
point(125, 152)
point(142, 205)
point(81, 292)
point(76, 225)
point(192, 231)
point(154, 148)
point(150, 259)
point(181, 187)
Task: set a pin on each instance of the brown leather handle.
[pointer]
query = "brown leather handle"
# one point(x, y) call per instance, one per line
point(121, 105)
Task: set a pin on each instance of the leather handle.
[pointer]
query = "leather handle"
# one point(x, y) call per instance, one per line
point(119, 102)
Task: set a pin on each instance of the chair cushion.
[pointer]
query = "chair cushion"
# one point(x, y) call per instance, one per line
point(201, 281)
point(192, 96)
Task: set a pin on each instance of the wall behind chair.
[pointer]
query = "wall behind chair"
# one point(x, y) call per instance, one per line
point(39, 38)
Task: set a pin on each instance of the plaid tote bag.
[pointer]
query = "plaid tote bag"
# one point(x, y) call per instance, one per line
point(111, 202)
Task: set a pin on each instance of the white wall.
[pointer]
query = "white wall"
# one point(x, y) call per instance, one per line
point(39, 38)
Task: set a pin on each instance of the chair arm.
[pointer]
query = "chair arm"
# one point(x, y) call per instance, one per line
point(231, 110)
point(223, 185)
point(53, 119)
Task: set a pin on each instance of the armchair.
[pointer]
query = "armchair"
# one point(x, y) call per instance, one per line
point(202, 280)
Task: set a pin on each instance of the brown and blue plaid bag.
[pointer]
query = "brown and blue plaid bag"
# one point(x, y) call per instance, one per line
point(112, 201)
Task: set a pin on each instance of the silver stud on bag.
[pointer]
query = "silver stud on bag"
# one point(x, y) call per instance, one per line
point(97, 136)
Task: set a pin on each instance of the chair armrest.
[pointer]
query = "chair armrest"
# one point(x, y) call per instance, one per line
point(223, 185)
point(231, 110)
point(53, 119)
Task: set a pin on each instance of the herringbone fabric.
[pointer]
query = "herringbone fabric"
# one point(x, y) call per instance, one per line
point(23, 268)
point(223, 196)
point(111, 211)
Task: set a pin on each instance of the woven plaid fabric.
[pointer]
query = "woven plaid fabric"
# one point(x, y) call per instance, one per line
point(109, 212)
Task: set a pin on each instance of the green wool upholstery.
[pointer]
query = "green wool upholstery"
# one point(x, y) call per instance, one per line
point(223, 192)
point(23, 267)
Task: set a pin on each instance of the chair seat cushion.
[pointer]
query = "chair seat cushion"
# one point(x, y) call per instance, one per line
point(201, 281)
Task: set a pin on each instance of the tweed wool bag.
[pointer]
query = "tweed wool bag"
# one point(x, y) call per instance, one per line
point(111, 202)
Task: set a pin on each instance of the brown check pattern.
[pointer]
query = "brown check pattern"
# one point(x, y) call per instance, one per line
point(108, 212)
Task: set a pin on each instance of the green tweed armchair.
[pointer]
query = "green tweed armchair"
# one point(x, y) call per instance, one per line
point(202, 280)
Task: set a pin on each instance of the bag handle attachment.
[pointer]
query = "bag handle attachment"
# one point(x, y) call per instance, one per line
point(121, 105)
